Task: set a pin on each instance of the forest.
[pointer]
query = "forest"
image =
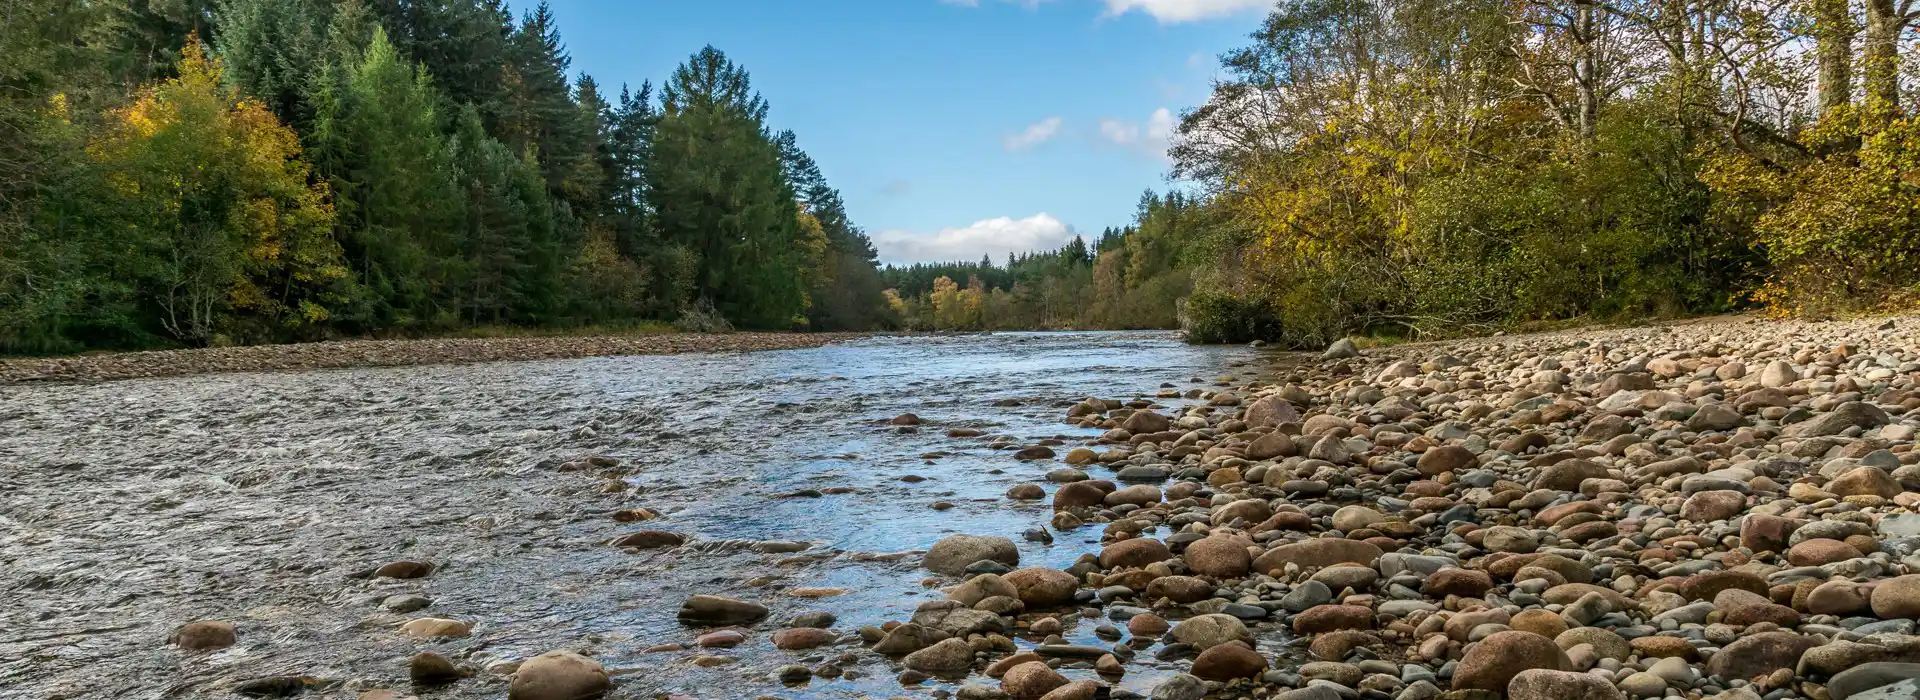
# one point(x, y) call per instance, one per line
point(1425, 168)
point(213, 172)
point(1439, 167)
point(209, 172)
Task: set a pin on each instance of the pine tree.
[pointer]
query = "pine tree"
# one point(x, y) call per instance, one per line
point(392, 172)
point(718, 187)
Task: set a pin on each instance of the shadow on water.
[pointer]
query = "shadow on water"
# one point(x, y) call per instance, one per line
point(247, 497)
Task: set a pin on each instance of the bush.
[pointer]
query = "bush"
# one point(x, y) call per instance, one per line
point(1218, 317)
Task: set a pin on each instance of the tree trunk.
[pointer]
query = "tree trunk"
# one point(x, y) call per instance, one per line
point(1881, 72)
point(1586, 79)
point(1833, 32)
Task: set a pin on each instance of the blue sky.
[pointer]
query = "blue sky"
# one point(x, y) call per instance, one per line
point(952, 127)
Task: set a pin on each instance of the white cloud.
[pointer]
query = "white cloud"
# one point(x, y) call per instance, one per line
point(995, 237)
point(1035, 134)
point(1176, 11)
point(961, 3)
point(1151, 138)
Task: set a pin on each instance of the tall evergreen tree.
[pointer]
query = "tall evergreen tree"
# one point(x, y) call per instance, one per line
point(719, 188)
point(393, 177)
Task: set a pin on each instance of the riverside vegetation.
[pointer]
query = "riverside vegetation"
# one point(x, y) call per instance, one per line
point(215, 172)
point(1421, 168)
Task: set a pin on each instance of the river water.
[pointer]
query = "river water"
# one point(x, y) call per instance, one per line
point(127, 508)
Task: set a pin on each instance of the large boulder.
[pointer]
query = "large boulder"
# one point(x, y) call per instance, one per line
point(1898, 597)
point(1043, 588)
point(953, 553)
point(1204, 631)
point(1567, 475)
point(1317, 553)
point(950, 656)
point(1271, 410)
point(1134, 553)
point(1219, 556)
point(1445, 458)
point(1847, 415)
point(1492, 663)
point(1225, 662)
point(1031, 680)
point(203, 635)
point(1142, 422)
point(1546, 684)
point(718, 610)
point(1759, 654)
point(559, 675)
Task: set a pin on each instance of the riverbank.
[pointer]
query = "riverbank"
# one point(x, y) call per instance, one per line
point(391, 353)
point(1720, 509)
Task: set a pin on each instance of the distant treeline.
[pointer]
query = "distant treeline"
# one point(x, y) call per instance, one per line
point(240, 171)
point(1131, 277)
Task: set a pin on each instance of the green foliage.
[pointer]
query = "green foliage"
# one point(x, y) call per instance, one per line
point(389, 166)
point(1219, 317)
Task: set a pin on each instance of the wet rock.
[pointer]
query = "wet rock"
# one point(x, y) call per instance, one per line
point(1076, 690)
point(1134, 553)
point(405, 603)
point(204, 635)
point(404, 569)
point(946, 657)
point(1146, 422)
point(908, 638)
point(559, 675)
point(718, 610)
point(723, 639)
point(649, 539)
point(1033, 679)
point(953, 553)
point(430, 668)
point(802, 638)
point(1210, 630)
point(1225, 662)
point(1043, 588)
point(433, 627)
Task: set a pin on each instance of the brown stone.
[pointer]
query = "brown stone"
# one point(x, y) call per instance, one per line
point(1759, 654)
point(1492, 663)
point(1219, 556)
point(1134, 553)
point(1043, 588)
point(559, 675)
point(1225, 662)
point(1327, 618)
point(202, 635)
point(1461, 582)
point(1317, 553)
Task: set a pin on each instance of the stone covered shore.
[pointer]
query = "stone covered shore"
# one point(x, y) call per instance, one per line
point(1721, 509)
point(390, 353)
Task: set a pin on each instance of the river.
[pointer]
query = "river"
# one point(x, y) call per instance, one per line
point(127, 508)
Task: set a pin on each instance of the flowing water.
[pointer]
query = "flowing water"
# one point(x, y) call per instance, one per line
point(127, 508)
